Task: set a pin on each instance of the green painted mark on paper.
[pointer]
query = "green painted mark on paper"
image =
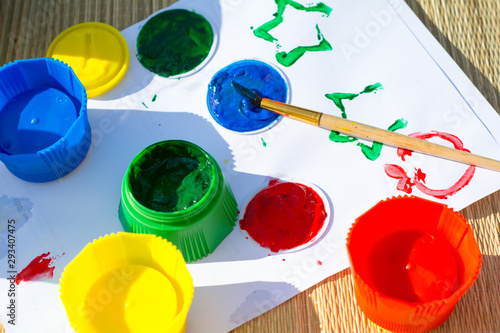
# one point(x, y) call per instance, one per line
point(371, 152)
point(339, 138)
point(154, 98)
point(264, 143)
point(371, 88)
point(337, 98)
point(288, 59)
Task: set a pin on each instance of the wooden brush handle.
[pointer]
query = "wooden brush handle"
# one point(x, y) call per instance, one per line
point(371, 133)
point(403, 141)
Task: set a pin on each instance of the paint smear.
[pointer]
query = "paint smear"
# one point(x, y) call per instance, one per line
point(17, 209)
point(284, 215)
point(406, 183)
point(174, 42)
point(338, 98)
point(235, 112)
point(264, 143)
point(42, 267)
point(371, 152)
point(288, 59)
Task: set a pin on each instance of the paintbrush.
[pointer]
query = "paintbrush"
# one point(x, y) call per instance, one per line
point(367, 132)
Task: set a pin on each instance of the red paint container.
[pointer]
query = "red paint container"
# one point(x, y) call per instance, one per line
point(411, 259)
point(285, 216)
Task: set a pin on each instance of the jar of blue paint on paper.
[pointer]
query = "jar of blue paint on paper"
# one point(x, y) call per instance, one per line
point(235, 112)
point(44, 129)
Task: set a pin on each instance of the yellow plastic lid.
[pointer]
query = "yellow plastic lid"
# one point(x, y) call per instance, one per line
point(97, 53)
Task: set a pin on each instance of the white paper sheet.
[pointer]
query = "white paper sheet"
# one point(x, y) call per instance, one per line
point(372, 40)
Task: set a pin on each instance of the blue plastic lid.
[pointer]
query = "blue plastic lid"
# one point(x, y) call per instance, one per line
point(44, 130)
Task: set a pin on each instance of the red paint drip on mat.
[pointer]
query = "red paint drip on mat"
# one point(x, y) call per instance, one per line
point(39, 268)
point(284, 215)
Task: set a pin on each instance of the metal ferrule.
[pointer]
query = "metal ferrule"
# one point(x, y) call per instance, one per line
point(304, 115)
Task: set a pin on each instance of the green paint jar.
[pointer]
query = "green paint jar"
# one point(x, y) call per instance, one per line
point(176, 190)
point(176, 43)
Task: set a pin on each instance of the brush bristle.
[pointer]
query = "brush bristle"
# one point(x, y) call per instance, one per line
point(247, 93)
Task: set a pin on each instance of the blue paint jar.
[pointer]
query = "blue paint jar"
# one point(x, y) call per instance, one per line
point(44, 129)
point(236, 113)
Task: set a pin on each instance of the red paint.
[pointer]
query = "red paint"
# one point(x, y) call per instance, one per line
point(457, 143)
point(320, 263)
point(38, 268)
point(284, 215)
point(405, 183)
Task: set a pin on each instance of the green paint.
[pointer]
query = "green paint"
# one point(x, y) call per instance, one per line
point(338, 97)
point(145, 105)
point(339, 138)
point(264, 143)
point(171, 178)
point(288, 59)
point(174, 42)
point(398, 124)
point(370, 152)
point(154, 99)
point(373, 152)
point(372, 88)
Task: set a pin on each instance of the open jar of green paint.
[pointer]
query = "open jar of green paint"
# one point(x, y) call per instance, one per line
point(176, 190)
point(175, 43)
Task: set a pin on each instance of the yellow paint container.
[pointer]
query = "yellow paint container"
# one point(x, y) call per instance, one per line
point(97, 53)
point(127, 283)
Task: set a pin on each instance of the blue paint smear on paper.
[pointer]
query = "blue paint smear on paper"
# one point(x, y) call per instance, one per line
point(14, 212)
point(233, 111)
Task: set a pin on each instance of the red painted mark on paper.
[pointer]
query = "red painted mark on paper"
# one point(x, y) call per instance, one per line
point(42, 267)
point(405, 182)
point(320, 262)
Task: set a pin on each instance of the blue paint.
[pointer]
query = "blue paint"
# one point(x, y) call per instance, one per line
point(26, 128)
point(235, 112)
